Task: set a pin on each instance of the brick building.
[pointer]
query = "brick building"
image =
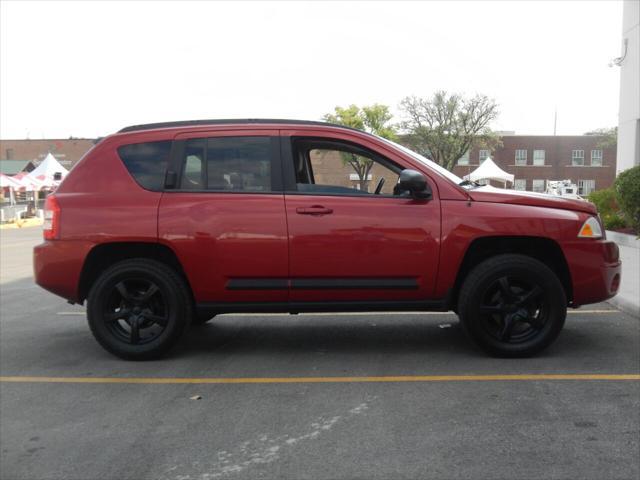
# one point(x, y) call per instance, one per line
point(535, 159)
point(18, 155)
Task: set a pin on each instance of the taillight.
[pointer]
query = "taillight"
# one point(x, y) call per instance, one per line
point(51, 225)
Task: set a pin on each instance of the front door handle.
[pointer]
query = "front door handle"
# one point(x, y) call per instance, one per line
point(314, 210)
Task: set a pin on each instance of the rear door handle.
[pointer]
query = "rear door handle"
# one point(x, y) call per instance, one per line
point(314, 210)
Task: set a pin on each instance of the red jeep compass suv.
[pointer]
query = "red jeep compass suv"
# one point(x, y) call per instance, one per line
point(165, 225)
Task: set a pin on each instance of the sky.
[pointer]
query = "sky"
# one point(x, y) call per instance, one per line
point(87, 69)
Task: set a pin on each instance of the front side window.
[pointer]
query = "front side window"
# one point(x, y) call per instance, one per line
point(521, 157)
point(227, 164)
point(577, 158)
point(520, 184)
point(147, 162)
point(538, 185)
point(538, 157)
point(331, 167)
point(483, 155)
point(596, 158)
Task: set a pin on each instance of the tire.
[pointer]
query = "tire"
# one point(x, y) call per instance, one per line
point(512, 306)
point(138, 309)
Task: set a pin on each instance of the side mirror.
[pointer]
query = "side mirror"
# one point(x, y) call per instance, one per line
point(416, 183)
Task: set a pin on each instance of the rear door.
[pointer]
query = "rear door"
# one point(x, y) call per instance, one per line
point(352, 235)
point(225, 217)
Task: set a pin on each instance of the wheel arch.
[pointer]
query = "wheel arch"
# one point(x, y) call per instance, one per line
point(543, 249)
point(106, 254)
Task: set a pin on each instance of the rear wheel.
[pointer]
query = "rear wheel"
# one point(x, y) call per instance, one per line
point(138, 309)
point(512, 305)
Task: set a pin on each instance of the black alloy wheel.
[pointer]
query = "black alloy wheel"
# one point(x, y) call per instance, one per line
point(138, 309)
point(512, 305)
point(513, 310)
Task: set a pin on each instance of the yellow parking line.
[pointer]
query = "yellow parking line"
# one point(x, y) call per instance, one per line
point(269, 380)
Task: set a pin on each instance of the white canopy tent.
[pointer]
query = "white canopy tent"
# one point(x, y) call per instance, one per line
point(45, 173)
point(488, 170)
point(26, 183)
point(8, 183)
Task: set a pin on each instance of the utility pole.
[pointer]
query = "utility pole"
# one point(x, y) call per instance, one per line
point(555, 121)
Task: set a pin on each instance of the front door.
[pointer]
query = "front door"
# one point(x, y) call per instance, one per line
point(353, 236)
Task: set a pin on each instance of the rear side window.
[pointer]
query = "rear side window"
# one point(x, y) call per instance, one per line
point(147, 162)
point(227, 164)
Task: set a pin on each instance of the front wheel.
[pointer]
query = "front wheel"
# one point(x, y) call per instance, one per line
point(512, 305)
point(138, 309)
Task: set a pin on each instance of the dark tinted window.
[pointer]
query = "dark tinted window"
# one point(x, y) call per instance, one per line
point(227, 164)
point(147, 162)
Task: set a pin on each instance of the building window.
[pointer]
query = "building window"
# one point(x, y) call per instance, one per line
point(596, 158)
point(520, 184)
point(521, 157)
point(464, 160)
point(577, 158)
point(538, 185)
point(585, 187)
point(538, 157)
point(483, 155)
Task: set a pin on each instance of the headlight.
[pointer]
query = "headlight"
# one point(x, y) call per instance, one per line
point(590, 229)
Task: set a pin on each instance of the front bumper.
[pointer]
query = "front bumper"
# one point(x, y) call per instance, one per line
point(595, 270)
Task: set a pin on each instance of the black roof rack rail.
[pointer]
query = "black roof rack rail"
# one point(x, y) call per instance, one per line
point(195, 123)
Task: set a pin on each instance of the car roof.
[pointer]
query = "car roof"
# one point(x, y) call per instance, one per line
point(244, 121)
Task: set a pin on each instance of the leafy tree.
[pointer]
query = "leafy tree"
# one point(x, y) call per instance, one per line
point(607, 204)
point(446, 126)
point(627, 187)
point(373, 119)
point(610, 136)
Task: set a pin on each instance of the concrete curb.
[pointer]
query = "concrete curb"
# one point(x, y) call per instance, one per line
point(625, 305)
point(624, 239)
point(628, 299)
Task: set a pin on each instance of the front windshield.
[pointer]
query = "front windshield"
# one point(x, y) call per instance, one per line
point(429, 163)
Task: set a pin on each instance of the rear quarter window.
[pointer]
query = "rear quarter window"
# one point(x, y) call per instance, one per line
point(147, 162)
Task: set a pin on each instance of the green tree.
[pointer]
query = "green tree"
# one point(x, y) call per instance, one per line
point(375, 119)
point(609, 136)
point(627, 187)
point(446, 126)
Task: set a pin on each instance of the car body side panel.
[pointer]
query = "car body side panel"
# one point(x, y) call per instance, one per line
point(364, 237)
point(57, 266)
point(463, 222)
point(101, 202)
point(220, 237)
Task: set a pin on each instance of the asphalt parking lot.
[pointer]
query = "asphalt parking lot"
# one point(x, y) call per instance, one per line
point(301, 397)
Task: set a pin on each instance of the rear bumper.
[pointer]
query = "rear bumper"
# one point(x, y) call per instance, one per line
point(57, 266)
point(595, 270)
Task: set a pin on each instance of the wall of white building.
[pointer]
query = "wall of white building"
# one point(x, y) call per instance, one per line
point(629, 113)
